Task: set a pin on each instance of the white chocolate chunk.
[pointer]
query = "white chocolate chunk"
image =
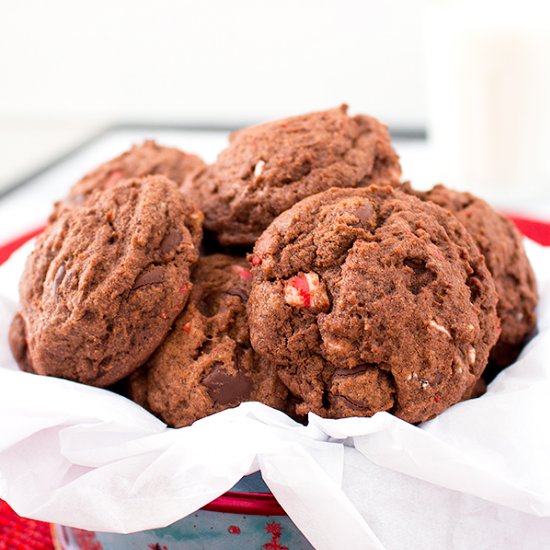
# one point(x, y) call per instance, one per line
point(259, 168)
point(440, 328)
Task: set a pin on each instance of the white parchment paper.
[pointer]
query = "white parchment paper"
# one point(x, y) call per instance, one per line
point(476, 476)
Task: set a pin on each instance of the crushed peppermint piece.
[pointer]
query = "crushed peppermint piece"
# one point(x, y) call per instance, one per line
point(241, 271)
point(256, 261)
point(186, 327)
point(163, 314)
point(297, 292)
point(306, 290)
point(114, 176)
point(472, 355)
point(183, 289)
point(245, 274)
point(439, 327)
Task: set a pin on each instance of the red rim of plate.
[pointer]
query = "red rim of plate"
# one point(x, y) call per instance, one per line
point(265, 504)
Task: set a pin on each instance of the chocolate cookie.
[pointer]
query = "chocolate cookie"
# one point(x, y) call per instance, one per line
point(106, 280)
point(372, 300)
point(141, 160)
point(501, 244)
point(268, 168)
point(18, 343)
point(206, 364)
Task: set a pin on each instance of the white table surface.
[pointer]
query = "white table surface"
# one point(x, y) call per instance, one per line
point(28, 207)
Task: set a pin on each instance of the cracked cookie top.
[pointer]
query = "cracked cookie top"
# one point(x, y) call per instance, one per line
point(372, 300)
point(502, 246)
point(206, 363)
point(106, 280)
point(268, 168)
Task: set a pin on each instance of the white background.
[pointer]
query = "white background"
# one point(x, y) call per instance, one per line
point(69, 67)
point(211, 61)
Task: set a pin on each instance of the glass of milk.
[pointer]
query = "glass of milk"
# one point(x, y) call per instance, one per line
point(488, 67)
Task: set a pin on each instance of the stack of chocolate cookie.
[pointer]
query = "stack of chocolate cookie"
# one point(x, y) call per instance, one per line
point(358, 294)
